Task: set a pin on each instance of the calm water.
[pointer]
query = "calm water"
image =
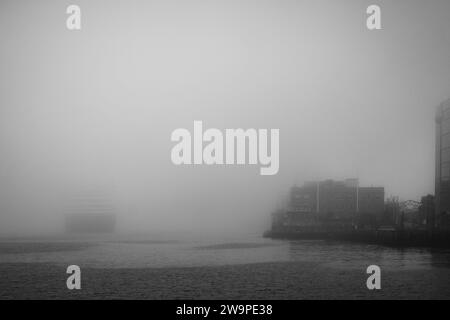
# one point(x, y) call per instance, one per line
point(245, 268)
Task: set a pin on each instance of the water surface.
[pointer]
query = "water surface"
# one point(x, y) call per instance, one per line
point(249, 267)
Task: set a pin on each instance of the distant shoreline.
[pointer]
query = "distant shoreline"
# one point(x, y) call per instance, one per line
point(394, 238)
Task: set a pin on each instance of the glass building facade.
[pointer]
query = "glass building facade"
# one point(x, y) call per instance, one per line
point(443, 165)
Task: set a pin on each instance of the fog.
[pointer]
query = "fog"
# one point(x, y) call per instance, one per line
point(95, 108)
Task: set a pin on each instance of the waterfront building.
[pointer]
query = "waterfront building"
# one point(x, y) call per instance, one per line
point(303, 199)
point(442, 210)
point(338, 199)
point(371, 201)
point(333, 203)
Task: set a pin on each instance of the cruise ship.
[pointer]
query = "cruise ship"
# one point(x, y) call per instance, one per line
point(90, 212)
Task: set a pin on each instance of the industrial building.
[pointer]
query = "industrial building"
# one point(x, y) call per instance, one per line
point(333, 204)
point(337, 198)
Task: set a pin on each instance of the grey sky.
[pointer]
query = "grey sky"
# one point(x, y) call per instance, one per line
point(97, 106)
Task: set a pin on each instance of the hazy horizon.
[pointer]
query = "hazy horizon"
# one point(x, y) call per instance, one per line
point(96, 107)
